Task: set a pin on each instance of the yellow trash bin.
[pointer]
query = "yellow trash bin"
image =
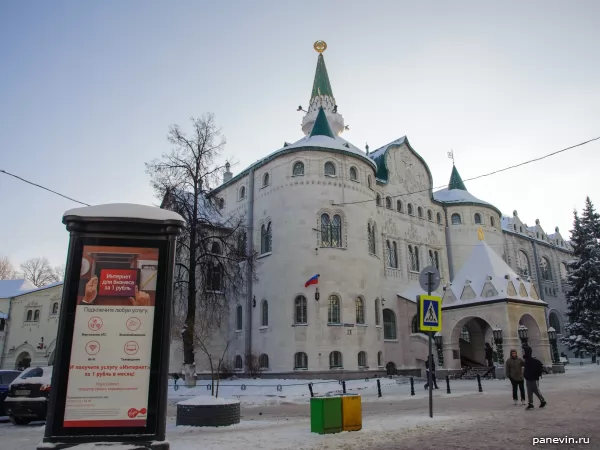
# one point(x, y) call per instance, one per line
point(351, 413)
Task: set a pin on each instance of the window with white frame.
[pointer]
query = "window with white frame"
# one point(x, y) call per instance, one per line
point(54, 308)
point(545, 269)
point(380, 359)
point(333, 313)
point(239, 363)
point(409, 209)
point(492, 221)
point(266, 180)
point(413, 258)
point(335, 360)
point(242, 193)
point(420, 212)
point(392, 254)
point(360, 310)
point(329, 169)
point(439, 218)
point(214, 277)
point(300, 312)
point(331, 230)
point(429, 215)
point(378, 200)
point(389, 324)
point(523, 264)
point(300, 360)
point(298, 169)
point(377, 319)
point(434, 259)
point(353, 174)
point(388, 202)
point(456, 219)
point(264, 322)
point(399, 206)
point(362, 360)
point(477, 218)
point(263, 361)
point(372, 234)
point(266, 234)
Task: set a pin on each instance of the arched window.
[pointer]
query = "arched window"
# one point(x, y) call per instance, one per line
point(389, 324)
point(242, 192)
point(29, 316)
point(263, 361)
point(215, 248)
point(388, 202)
point(265, 314)
point(378, 200)
point(214, 277)
point(420, 212)
point(329, 169)
point(545, 269)
point(392, 252)
point(265, 180)
point(300, 313)
point(239, 312)
point(55, 308)
point(456, 219)
point(298, 169)
point(439, 218)
point(266, 235)
point(554, 322)
point(360, 310)
point(333, 314)
point(465, 335)
point(414, 324)
point(239, 363)
point(372, 243)
point(300, 360)
point(36, 315)
point(492, 221)
point(362, 360)
point(429, 215)
point(353, 174)
point(523, 264)
point(431, 259)
point(413, 257)
point(377, 319)
point(241, 244)
point(331, 231)
point(436, 260)
point(399, 206)
point(221, 203)
point(369, 181)
point(335, 360)
point(520, 228)
point(380, 359)
point(409, 209)
point(564, 274)
point(477, 218)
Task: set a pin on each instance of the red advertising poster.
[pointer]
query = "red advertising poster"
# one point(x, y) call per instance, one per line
point(109, 371)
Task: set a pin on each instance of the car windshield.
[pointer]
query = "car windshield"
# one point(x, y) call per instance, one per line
point(33, 373)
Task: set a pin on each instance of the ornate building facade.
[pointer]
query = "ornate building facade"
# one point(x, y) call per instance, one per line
point(368, 223)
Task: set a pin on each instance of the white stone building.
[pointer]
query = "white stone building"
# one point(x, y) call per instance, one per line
point(367, 223)
point(31, 326)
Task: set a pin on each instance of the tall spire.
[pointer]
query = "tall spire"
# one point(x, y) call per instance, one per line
point(456, 181)
point(322, 97)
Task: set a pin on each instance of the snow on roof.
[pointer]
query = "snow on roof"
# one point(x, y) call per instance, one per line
point(125, 210)
point(485, 277)
point(3, 315)
point(457, 196)
point(326, 142)
point(411, 292)
point(11, 288)
point(46, 377)
point(381, 150)
point(35, 289)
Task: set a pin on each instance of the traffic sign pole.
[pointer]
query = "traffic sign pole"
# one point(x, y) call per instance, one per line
point(430, 357)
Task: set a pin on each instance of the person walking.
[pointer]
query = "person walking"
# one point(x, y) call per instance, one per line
point(514, 372)
point(433, 379)
point(489, 354)
point(532, 373)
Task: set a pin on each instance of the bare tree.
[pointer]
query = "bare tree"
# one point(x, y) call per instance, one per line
point(7, 270)
point(212, 260)
point(39, 272)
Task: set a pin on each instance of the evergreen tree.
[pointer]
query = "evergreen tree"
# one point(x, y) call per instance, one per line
point(583, 283)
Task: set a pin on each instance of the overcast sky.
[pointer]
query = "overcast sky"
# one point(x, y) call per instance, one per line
point(89, 89)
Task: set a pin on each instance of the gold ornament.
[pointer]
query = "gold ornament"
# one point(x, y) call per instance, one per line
point(480, 234)
point(320, 46)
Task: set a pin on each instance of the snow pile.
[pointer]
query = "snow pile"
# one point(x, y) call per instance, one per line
point(208, 401)
point(46, 377)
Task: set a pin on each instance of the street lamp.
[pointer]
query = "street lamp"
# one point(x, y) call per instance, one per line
point(439, 342)
point(497, 333)
point(552, 337)
point(523, 335)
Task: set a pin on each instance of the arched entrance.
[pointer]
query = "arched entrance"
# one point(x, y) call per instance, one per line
point(23, 361)
point(534, 335)
point(390, 368)
point(472, 333)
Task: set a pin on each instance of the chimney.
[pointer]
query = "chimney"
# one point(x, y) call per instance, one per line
point(227, 175)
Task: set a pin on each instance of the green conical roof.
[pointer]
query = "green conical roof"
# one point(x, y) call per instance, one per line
point(456, 181)
point(321, 126)
point(321, 85)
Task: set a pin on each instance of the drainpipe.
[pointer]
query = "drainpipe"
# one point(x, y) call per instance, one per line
point(250, 243)
point(537, 269)
point(7, 324)
point(448, 246)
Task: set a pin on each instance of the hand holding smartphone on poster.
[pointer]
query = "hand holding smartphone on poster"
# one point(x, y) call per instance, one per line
point(141, 298)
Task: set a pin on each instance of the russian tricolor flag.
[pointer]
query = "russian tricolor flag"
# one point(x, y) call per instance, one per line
point(312, 280)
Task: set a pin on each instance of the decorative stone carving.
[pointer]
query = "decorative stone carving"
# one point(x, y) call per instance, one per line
point(390, 227)
point(412, 233)
point(432, 237)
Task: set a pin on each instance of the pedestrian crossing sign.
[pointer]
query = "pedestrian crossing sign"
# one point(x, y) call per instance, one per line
point(430, 312)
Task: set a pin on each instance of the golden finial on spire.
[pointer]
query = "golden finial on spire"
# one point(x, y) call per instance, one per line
point(320, 46)
point(480, 233)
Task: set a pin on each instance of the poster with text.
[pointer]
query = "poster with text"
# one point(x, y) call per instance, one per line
point(109, 371)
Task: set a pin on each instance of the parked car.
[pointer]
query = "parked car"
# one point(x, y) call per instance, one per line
point(28, 396)
point(6, 377)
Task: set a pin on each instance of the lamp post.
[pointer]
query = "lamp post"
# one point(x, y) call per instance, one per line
point(439, 342)
point(497, 333)
point(552, 337)
point(523, 335)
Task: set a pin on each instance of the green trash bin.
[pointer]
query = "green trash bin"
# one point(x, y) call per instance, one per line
point(326, 415)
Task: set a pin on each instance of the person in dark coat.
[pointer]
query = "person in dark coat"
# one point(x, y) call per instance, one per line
point(433, 379)
point(489, 355)
point(532, 373)
point(514, 372)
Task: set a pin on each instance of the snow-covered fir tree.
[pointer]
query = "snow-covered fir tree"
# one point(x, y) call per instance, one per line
point(583, 287)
